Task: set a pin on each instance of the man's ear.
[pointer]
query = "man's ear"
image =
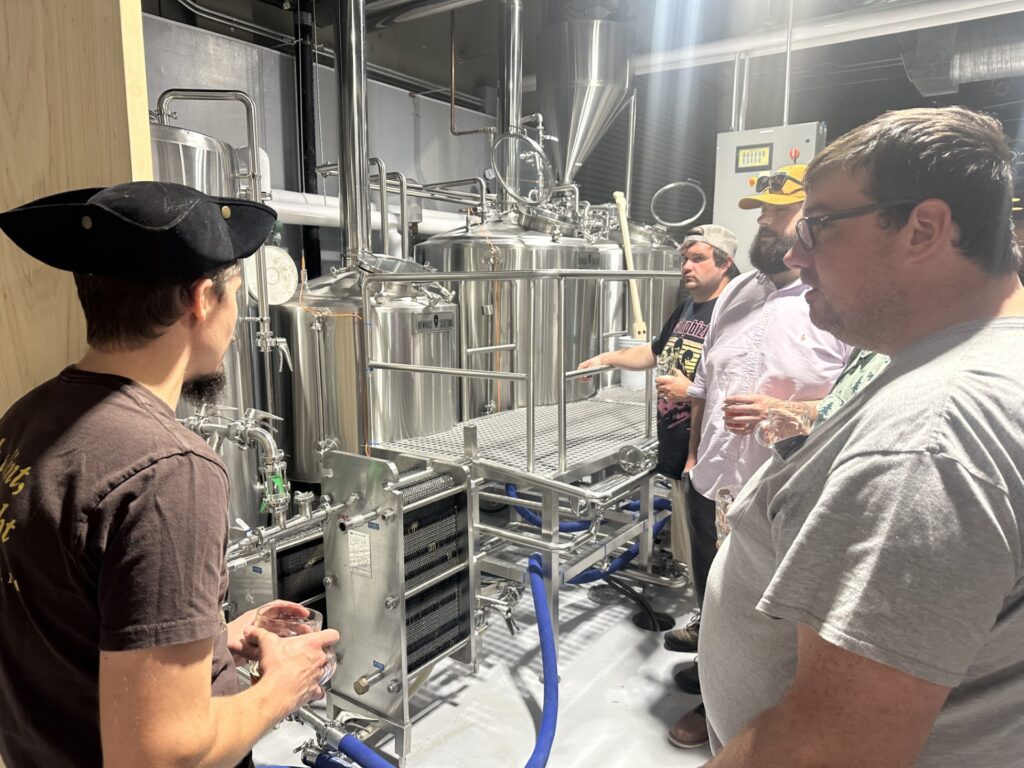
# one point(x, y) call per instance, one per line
point(931, 227)
point(203, 298)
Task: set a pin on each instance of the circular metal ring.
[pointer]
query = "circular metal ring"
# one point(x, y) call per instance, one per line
point(680, 185)
point(547, 185)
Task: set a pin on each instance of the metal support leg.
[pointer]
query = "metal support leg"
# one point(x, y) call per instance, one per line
point(647, 509)
point(552, 566)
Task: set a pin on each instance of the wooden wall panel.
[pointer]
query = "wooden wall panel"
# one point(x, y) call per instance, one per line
point(73, 113)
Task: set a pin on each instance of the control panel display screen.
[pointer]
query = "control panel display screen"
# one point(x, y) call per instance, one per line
point(754, 157)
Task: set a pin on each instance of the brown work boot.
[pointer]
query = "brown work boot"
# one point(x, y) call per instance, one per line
point(684, 639)
point(691, 730)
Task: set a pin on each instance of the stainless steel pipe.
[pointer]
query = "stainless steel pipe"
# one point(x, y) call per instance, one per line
point(630, 149)
point(789, 65)
point(353, 162)
point(468, 374)
point(265, 340)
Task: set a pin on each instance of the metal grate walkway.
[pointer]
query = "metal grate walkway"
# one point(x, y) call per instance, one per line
point(595, 428)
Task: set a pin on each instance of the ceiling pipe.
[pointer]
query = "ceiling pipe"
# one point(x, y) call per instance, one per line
point(829, 30)
point(826, 30)
point(983, 60)
point(383, 74)
point(383, 13)
point(510, 86)
point(789, 65)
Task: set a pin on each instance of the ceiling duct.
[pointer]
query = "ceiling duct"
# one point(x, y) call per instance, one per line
point(584, 78)
point(946, 58)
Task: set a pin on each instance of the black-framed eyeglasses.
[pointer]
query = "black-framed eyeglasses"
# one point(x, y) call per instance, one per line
point(806, 227)
point(775, 182)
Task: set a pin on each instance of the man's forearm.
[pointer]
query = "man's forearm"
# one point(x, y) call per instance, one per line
point(764, 743)
point(696, 417)
point(633, 359)
point(237, 722)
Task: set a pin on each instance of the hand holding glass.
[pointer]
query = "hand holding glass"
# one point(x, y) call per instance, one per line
point(783, 420)
point(291, 620)
point(724, 497)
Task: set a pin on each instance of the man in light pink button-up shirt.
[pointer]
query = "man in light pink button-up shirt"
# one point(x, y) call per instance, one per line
point(761, 347)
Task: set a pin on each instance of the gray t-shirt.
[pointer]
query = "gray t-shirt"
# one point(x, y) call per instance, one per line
point(895, 532)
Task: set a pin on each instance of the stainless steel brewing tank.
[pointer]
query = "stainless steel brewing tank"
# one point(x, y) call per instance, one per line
point(326, 392)
point(208, 164)
point(653, 249)
point(194, 159)
point(497, 312)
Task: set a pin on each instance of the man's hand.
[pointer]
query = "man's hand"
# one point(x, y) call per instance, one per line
point(292, 666)
point(238, 647)
point(675, 388)
point(744, 411)
point(593, 362)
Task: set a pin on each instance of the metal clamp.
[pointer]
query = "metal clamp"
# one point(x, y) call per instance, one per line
point(435, 293)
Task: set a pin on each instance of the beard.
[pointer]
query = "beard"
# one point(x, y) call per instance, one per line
point(205, 388)
point(768, 249)
point(869, 323)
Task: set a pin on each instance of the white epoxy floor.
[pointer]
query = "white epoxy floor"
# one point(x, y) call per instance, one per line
point(617, 697)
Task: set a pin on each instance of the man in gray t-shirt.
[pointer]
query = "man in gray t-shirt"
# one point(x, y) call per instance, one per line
point(868, 606)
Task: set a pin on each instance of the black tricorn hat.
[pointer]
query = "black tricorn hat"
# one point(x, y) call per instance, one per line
point(142, 230)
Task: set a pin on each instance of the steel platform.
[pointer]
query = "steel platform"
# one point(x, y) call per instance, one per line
point(596, 428)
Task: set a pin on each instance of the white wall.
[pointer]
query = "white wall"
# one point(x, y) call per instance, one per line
point(411, 134)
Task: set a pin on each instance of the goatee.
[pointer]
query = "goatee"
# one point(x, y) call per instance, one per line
point(768, 250)
point(206, 388)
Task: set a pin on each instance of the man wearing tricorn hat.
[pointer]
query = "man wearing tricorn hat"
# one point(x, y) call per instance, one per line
point(112, 515)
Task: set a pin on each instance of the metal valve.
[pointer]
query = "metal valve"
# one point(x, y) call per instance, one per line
point(284, 355)
point(510, 622)
point(256, 415)
point(364, 683)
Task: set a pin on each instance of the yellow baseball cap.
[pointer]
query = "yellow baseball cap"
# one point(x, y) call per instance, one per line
point(782, 187)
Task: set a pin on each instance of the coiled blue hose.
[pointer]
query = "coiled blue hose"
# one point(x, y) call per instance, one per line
point(549, 659)
point(566, 526)
point(660, 503)
point(593, 574)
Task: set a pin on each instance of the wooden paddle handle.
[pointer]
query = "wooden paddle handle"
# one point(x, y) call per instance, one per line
point(639, 326)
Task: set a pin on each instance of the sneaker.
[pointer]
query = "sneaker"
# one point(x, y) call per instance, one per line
point(690, 730)
point(688, 680)
point(684, 639)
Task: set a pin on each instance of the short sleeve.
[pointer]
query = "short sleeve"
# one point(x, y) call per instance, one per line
point(160, 578)
point(698, 388)
point(659, 342)
point(906, 559)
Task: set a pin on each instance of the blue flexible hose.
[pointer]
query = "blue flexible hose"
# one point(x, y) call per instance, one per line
point(620, 562)
point(354, 750)
point(549, 658)
point(567, 526)
point(659, 504)
point(327, 760)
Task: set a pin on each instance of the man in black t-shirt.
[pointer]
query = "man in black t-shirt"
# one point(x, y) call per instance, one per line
point(706, 269)
point(114, 650)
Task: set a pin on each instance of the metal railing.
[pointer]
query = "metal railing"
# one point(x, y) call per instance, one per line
point(532, 280)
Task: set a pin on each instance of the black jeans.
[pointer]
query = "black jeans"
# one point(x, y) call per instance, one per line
point(703, 537)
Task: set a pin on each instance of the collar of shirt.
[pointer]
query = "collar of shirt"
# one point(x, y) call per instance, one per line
point(794, 286)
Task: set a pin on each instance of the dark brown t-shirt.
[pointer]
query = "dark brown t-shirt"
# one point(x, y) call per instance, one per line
point(113, 529)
